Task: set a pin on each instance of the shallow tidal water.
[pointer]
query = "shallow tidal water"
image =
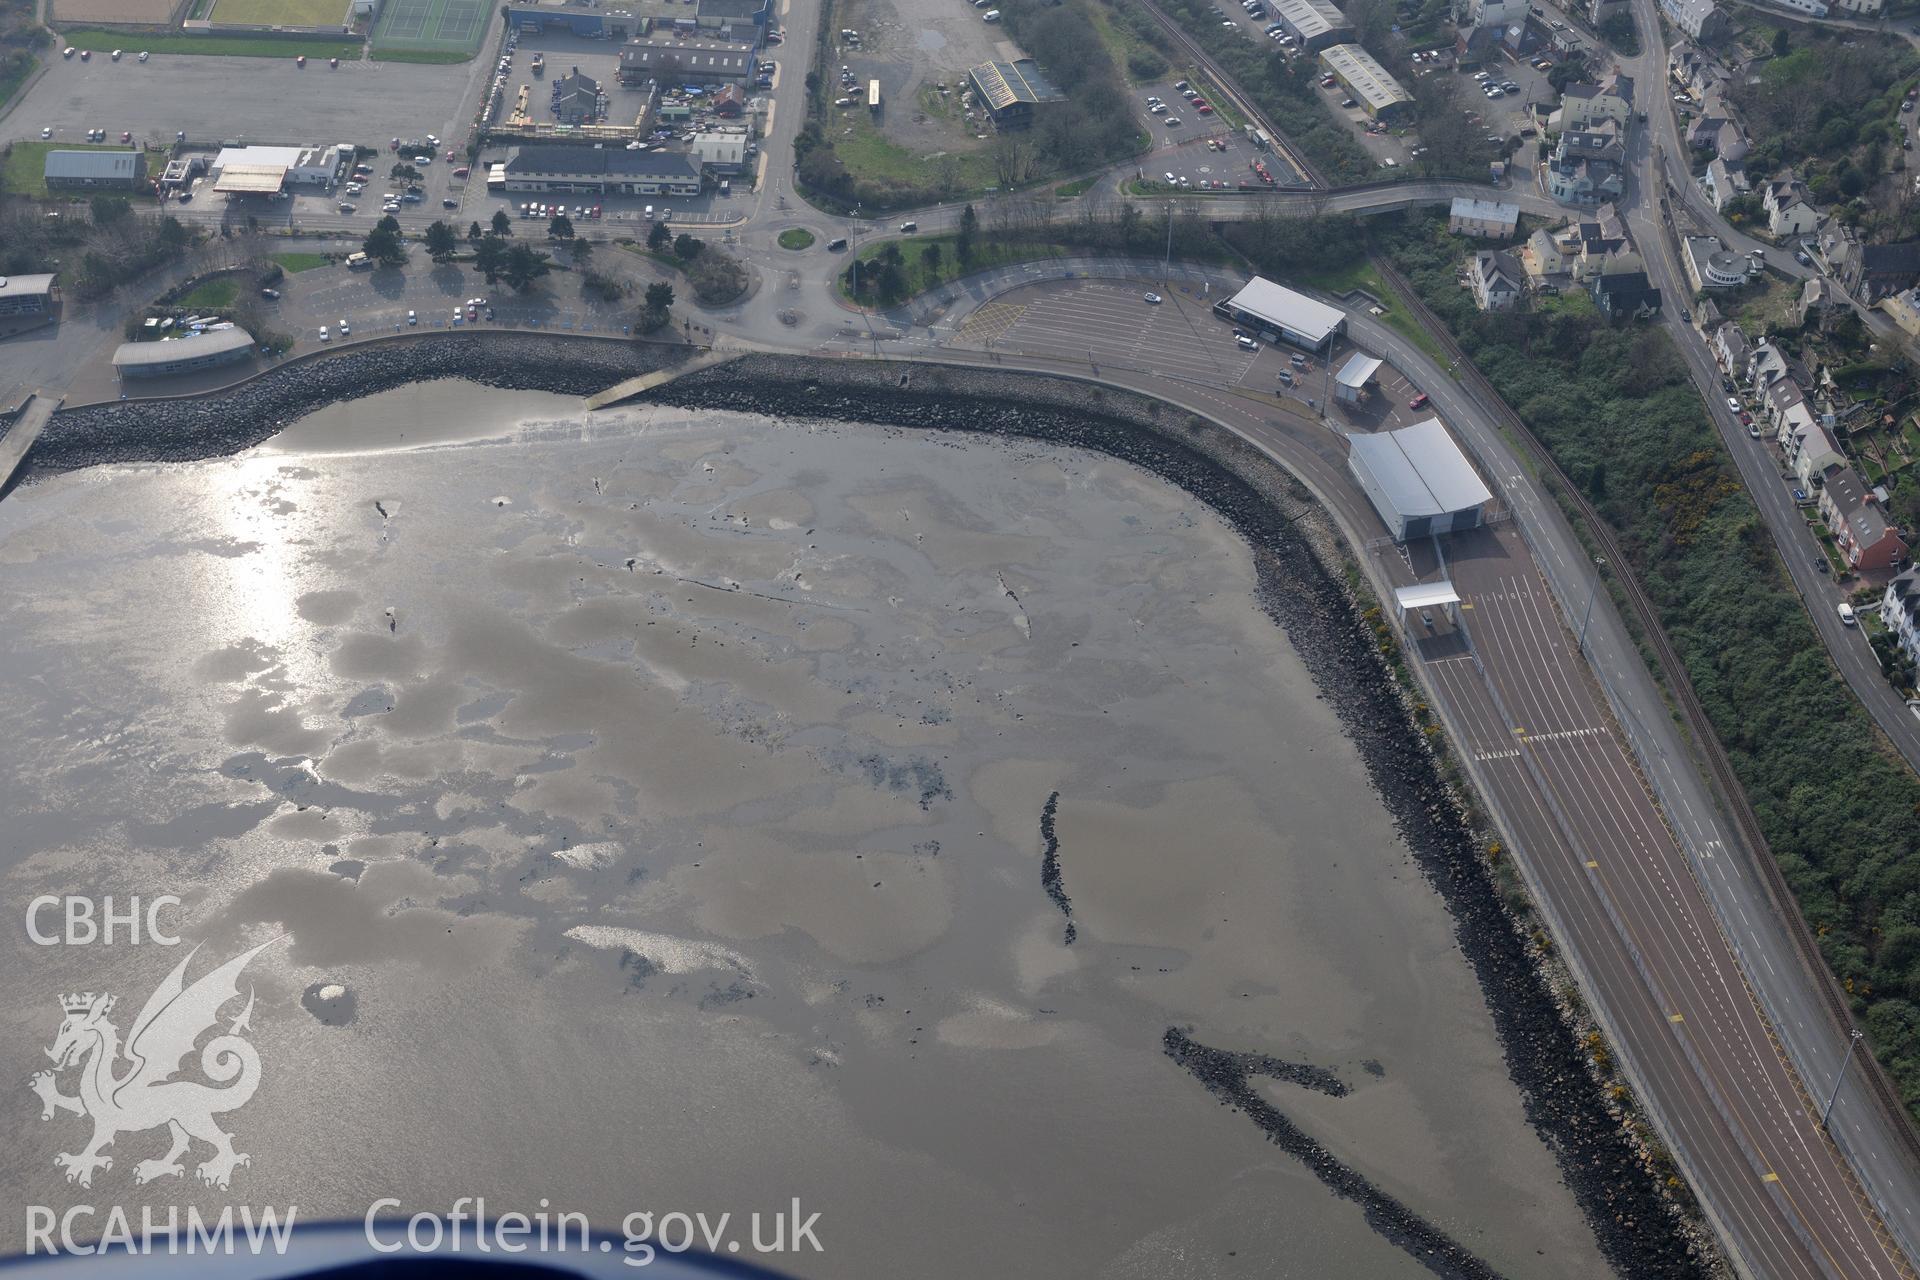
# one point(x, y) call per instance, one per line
point(649, 807)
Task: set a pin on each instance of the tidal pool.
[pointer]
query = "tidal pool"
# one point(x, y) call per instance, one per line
point(648, 807)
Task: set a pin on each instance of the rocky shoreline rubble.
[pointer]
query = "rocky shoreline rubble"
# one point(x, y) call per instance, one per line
point(223, 423)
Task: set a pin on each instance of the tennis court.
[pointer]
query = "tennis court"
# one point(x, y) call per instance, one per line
point(450, 25)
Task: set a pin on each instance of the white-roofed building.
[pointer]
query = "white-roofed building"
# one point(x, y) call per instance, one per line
point(1350, 384)
point(263, 170)
point(1418, 480)
point(1282, 315)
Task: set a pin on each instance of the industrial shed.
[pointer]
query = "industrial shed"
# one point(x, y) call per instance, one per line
point(1418, 480)
point(112, 170)
point(1282, 314)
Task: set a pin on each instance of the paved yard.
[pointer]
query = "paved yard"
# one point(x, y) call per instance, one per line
point(263, 100)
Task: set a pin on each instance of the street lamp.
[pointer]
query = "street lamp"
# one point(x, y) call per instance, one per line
point(1599, 563)
point(1853, 1042)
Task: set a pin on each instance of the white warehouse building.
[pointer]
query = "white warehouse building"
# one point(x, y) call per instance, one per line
point(1279, 314)
point(1418, 480)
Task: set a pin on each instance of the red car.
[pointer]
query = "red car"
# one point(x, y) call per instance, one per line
point(1418, 402)
point(1746, 419)
point(462, 172)
point(449, 157)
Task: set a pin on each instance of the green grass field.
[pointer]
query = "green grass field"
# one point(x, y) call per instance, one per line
point(283, 13)
point(294, 263)
point(257, 46)
point(25, 173)
point(210, 295)
point(796, 238)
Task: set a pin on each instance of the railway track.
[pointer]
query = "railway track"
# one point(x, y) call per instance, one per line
point(1224, 84)
point(1733, 795)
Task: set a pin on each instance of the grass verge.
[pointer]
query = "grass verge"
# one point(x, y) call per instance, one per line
point(255, 46)
point(796, 238)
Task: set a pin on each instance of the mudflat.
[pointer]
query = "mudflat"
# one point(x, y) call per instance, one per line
point(688, 811)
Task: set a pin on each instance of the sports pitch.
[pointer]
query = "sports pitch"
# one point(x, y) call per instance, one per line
point(279, 13)
point(452, 25)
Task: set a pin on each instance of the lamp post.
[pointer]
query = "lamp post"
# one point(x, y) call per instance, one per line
point(1853, 1042)
point(1599, 564)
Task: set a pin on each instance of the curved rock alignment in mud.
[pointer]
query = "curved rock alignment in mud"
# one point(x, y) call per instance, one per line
point(1638, 1229)
point(1050, 877)
point(1227, 1076)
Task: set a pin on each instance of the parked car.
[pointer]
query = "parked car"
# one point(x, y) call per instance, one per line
point(1154, 298)
point(1418, 402)
point(272, 295)
point(1733, 406)
point(1246, 343)
point(344, 330)
point(412, 318)
point(324, 335)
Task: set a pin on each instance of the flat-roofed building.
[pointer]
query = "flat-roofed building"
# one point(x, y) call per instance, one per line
point(1011, 90)
point(182, 355)
point(1282, 315)
point(26, 296)
point(581, 170)
point(584, 18)
point(676, 62)
point(1314, 23)
point(1418, 480)
point(264, 170)
point(1377, 92)
point(99, 170)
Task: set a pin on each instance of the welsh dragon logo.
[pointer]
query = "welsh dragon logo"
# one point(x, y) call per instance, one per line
point(125, 1089)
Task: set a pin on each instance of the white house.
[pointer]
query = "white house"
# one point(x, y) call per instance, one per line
point(1497, 280)
point(1789, 212)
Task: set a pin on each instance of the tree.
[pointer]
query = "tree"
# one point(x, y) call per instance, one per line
point(441, 241)
point(490, 257)
point(582, 252)
point(384, 245)
point(560, 227)
point(930, 261)
point(659, 306)
point(686, 248)
point(474, 232)
point(659, 238)
point(404, 171)
point(108, 210)
point(963, 242)
point(502, 224)
point(388, 223)
point(524, 266)
point(1781, 42)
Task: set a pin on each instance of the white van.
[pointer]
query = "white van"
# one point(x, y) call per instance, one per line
point(991, 15)
point(1846, 613)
